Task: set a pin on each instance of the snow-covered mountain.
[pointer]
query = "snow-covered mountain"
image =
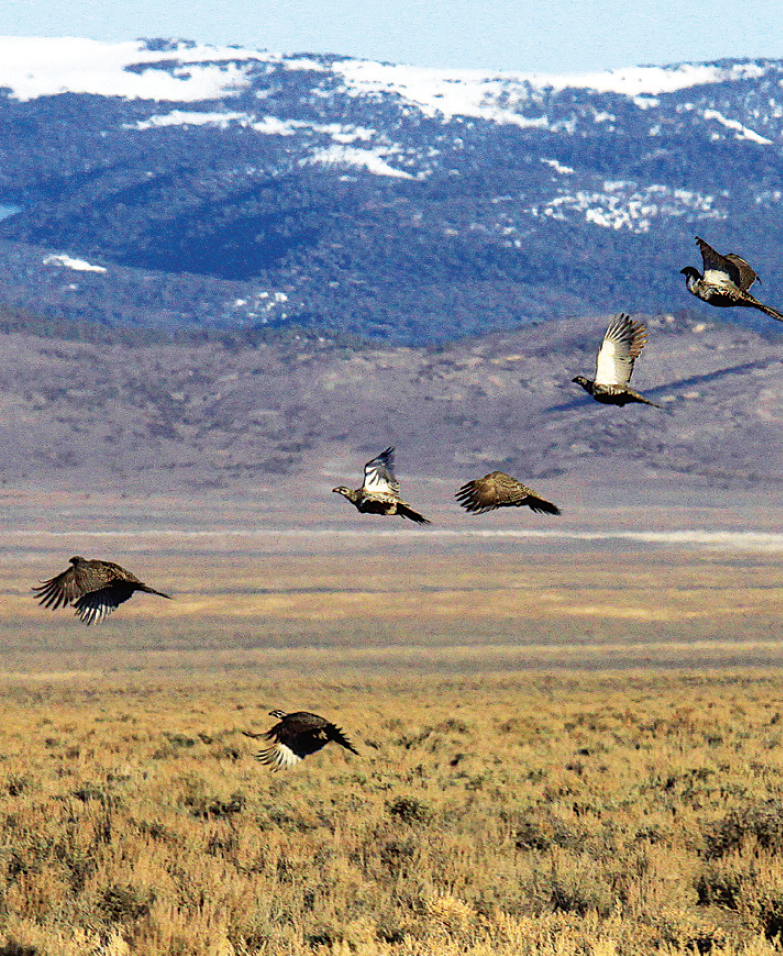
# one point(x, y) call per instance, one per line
point(172, 184)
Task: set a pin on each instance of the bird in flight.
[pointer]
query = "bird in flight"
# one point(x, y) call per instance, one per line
point(93, 588)
point(622, 345)
point(380, 493)
point(296, 736)
point(499, 490)
point(725, 282)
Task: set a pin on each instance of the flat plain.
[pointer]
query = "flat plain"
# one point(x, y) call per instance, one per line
point(569, 735)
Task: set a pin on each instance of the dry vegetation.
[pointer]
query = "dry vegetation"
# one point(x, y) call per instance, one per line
point(541, 815)
point(558, 813)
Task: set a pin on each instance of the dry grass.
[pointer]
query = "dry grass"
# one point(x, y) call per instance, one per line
point(541, 815)
point(487, 813)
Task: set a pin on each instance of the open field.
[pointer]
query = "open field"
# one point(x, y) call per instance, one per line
point(569, 735)
point(281, 595)
point(535, 814)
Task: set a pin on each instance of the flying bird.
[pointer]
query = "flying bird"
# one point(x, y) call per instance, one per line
point(622, 345)
point(725, 282)
point(380, 493)
point(296, 736)
point(499, 490)
point(93, 588)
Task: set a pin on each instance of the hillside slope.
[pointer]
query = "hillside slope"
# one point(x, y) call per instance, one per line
point(173, 185)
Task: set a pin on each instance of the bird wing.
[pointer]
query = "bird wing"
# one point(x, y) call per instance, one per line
point(301, 733)
point(487, 493)
point(718, 269)
point(498, 490)
point(747, 275)
point(278, 757)
point(59, 590)
point(622, 345)
point(406, 511)
point(94, 606)
point(379, 478)
point(336, 734)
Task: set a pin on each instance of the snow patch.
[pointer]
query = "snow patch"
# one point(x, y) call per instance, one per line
point(371, 160)
point(267, 125)
point(189, 118)
point(625, 205)
point(46, 66)
point(66, 262)
point(742, 131)
point(558, 167)
point(499, 96)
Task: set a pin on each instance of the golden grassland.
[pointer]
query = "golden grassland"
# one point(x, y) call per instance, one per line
point(539, 814)
point(563, 749)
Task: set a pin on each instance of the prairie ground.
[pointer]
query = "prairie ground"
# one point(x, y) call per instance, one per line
point(538, 814)
point(567, 745)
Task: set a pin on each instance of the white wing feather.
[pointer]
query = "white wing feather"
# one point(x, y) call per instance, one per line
point(622, 343)
point(379, 476)
point(94, 606)
point(280, 757)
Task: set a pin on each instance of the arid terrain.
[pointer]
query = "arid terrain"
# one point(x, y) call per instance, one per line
point(568, 727)
point(496, 815)
point(88, 417)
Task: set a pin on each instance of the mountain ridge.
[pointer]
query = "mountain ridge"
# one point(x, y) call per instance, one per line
point(221, 188)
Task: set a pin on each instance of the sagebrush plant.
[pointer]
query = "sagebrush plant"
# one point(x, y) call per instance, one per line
point(594, 815)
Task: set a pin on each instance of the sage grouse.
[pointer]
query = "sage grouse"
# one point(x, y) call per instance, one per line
point(622, 345)
point(499, 490)
point(379, 495)
point(725, 282)
point(94, 588)
point(296, 736)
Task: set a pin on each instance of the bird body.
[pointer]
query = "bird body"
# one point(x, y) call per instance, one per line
point(725, 281)
point(499, 490)
point(94, 588)
point(296, 736)
point(380, 492)
point(621, 346)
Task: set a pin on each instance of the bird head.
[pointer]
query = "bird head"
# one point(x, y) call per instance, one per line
point(691, 272)
point(341, 490)
point(76, 559)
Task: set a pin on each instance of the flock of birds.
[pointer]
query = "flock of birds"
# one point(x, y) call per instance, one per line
point(95, 588)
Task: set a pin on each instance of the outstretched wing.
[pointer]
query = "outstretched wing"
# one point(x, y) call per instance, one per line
point(499, 490)
point(59, 590)
point(94, 606)
point(747, 275)
point(295, 737)
point(379, 478)
point(718, 269)
point(405, 510)
point(278, 756)
point(337, 734)
point(622, 345)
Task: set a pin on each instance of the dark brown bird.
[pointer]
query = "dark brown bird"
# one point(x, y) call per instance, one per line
point(380, 493)
point(296, 736)
point(499, 490)
point(622, 345)
point(94, 588)
point(725, 282)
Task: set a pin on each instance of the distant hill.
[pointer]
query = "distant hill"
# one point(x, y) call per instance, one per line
point(81, 416)
point(165, 184)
